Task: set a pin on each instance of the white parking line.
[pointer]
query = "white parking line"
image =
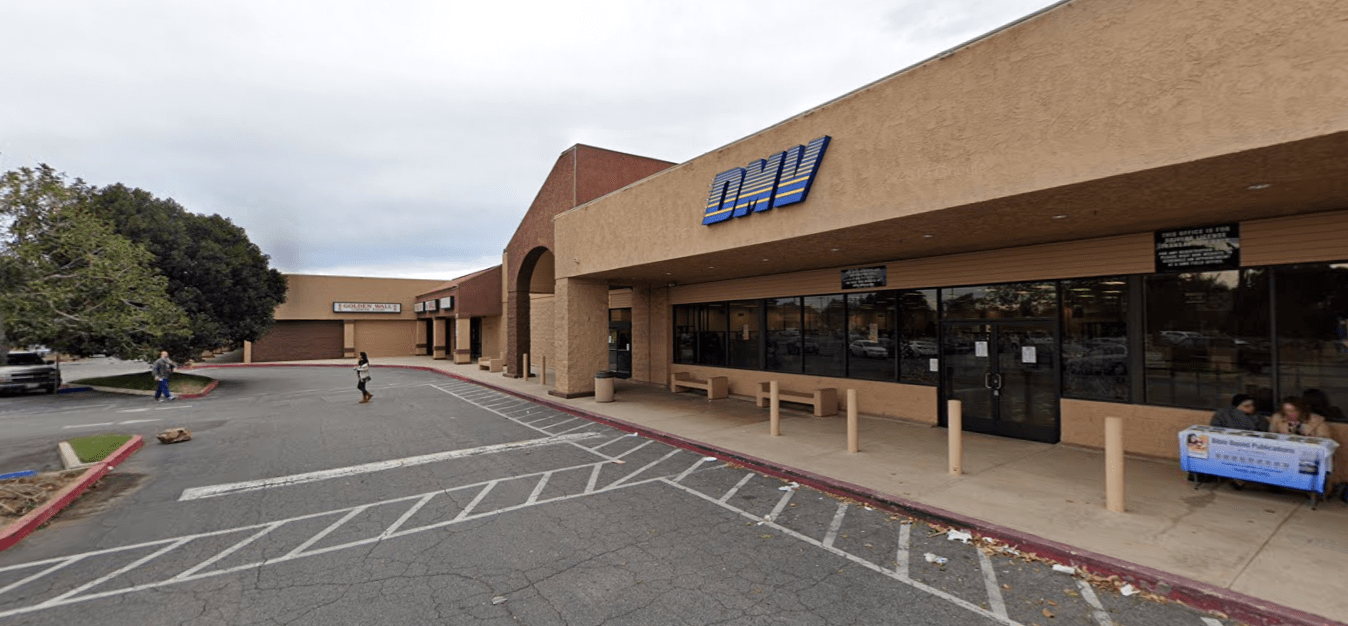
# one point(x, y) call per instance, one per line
point(88, 425)
point(141, 421)
point(995, 601)
point(1098, 610)
point(196, 493)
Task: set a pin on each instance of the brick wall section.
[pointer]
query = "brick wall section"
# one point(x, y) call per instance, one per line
point(480, 295)
point(582, 173)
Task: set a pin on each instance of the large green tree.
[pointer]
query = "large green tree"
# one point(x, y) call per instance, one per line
point(69, 281)
point(216, 275)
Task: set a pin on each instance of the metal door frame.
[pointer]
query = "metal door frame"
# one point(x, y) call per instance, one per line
point(994, 370)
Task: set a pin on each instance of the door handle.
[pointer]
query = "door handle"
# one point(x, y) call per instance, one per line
point(998, 380)
point(987, 380)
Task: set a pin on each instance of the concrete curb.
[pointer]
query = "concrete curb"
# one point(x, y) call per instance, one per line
point(24, 526)
point(141, 392)
point(1197, 594)
point(69, 459)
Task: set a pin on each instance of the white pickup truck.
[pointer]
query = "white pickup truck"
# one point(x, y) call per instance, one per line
point(26, 371)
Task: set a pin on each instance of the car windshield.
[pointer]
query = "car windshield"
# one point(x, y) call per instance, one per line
point(22, 358)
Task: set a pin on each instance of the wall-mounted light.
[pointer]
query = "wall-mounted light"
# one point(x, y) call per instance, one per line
point(1060, 216)
point(1258, 186)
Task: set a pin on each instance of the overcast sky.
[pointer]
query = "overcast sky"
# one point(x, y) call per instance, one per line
point(407, 139)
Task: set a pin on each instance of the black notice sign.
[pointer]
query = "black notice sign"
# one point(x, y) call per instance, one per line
point(863, 277)
point(1201, 249)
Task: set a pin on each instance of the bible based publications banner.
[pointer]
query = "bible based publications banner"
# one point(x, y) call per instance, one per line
point(1283, 460)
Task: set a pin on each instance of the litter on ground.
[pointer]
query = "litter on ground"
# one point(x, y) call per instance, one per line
point(1063, 569)
point(791, 486)
point(939, 560)
point(959, 535)
point(1128, 590)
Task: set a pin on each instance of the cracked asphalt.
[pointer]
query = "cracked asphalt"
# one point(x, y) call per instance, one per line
point(602, 529)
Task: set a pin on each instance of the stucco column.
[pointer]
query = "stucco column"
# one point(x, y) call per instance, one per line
point(349, 339)
point(581, 310)
point(517, 333)
point(650, 334)
point(463, 328)
point(421, 338)
point(439, 342)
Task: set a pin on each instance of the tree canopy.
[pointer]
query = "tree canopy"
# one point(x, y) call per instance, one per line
point(68, 280)
point(220, 279)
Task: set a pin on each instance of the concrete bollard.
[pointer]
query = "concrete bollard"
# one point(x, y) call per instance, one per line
point(774, 409)
point(543, 371)
point(853, 437)
point(524, 367)
point(1114, 492)
point(955, 436)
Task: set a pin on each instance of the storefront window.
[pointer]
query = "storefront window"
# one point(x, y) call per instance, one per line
point(825, 333)
point(1312, 315)
point(1009, 300)
point(1095, 339)
point(744, 336)
point(917, 310)
point(711, 334)
point(1207, 338)
point(871, 340)
point(685, 334)
point(783, 330)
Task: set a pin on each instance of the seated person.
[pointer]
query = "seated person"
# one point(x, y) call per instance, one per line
point(1296, 418)
point(1241, 415)
point(1318, 402)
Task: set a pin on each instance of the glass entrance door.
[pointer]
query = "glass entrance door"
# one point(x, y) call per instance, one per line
point(1004, 373)
point(620, 342)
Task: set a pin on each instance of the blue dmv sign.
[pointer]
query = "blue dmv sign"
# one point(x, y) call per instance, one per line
point(1283, 460)
point(781, 179)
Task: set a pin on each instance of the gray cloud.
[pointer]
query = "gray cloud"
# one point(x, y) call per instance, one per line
point(382, 138)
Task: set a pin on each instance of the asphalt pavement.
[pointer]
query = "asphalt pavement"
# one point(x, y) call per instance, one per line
point(441, 502)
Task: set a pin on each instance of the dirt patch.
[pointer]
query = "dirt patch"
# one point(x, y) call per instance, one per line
point(102, 495)
point(18, 496)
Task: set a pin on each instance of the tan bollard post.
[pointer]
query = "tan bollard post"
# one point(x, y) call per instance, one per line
point(524, 367)
point(955, 436)
point(853, 438)
point(543, 371)
point(774, 410)
point(1114, 494)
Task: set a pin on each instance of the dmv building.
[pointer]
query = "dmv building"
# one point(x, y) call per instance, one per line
point(1133, 209)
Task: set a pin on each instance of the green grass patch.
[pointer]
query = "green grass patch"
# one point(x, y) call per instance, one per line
point(97, 447)
point(178, 383)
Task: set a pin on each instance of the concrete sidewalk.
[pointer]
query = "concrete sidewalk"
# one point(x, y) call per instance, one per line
point(1266, 545)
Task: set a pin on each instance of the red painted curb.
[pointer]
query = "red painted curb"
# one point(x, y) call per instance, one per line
point(201, 394)
point(1197, 594)
point(25, 525)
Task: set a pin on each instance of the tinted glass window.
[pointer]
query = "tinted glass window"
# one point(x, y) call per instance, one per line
point(744, 335)
point(711, 334)
point(1095, 339)
point(783, 329)
point(917, 311)
point(685, 334)
point(1001, 301)
point(1207, 338)
point(871, 335)
point(28, 358)
point(825, 344)
point(1312, 306)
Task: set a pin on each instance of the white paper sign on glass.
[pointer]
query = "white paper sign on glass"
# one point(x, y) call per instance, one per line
point(1027, 355)
point(934, 365)
point(980, 348)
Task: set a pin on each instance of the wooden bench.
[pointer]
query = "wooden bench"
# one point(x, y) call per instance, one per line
point(824, 399)
point(491, 365)
point(717, 387)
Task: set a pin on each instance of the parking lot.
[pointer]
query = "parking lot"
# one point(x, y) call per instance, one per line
point(444, 502)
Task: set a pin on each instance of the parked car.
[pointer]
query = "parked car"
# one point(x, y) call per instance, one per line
point(922, 347)
point(1110, 360)
point(27, 371)
point(868, 348)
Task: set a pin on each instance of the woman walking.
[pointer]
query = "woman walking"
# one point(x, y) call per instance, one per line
point(362, 377)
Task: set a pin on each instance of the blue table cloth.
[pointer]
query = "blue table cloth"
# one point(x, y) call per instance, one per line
point(1288, 461)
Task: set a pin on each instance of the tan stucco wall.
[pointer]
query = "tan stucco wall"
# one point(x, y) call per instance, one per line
point(1089, 90)
point(542, 327)
point(386, 337)
point(311, 296)
point(491, 337)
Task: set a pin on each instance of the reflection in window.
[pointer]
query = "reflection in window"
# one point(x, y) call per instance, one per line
point(825, 336)
point(917, 310)
point(783, 330)
point(1207, 338)
point(685, 334)
point(1009, 300)
point(870, 335)
point(1312, 319)
point(711, 334)
point(744, 336)
point(1095, 339)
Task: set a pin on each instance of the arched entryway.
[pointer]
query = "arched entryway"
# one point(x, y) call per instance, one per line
point(532, 321)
